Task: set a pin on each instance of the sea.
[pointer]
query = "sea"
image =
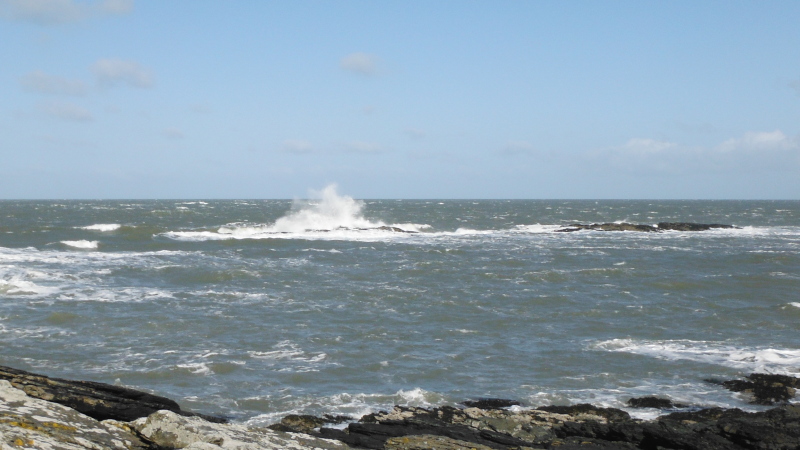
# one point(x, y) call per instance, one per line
point(255, 309)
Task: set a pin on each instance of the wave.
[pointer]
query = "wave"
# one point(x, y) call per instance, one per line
point(82, 244)
point(103, 227)
point(346, 404)
point(769, 360)
point(330, 216)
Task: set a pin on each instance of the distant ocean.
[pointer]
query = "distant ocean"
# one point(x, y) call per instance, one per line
point(255, 309)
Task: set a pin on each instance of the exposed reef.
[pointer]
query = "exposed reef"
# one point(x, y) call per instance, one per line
point(661, 226)
point(34, 414)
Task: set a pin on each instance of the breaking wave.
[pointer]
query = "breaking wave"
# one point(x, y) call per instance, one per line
point(82, 244)
point(330, 216)
point(103, 227)
point(770, 360)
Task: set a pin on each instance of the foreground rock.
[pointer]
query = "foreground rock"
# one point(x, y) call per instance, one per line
point(97, 400)
point(169, 430)
point(572, 427)
point(29, 422)
point(624, 226)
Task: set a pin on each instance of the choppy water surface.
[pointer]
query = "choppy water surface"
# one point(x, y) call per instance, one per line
point(259, 308)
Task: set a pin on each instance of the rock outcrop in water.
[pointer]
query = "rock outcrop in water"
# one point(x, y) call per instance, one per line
point(29, 422)
point(765, 389)
point(624, 226)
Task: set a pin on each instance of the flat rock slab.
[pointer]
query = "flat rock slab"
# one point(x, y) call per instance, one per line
point(27, 422)
point(170, 430)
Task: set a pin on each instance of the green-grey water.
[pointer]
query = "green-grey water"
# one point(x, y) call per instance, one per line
point(258, 308)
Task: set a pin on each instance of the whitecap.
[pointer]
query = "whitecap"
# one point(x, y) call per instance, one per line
point(104, 227)
point(82, 244)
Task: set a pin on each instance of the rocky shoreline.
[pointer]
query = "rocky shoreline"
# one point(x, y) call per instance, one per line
point(39, 412)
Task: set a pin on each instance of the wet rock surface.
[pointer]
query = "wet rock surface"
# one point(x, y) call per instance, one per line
point(624, 226)
point(580, 426)
point(765, 389)
point(654, 402)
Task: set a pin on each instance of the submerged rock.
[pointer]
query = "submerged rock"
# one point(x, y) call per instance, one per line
point(97, 400)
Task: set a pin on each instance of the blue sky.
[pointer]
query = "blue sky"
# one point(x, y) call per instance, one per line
point(399, 99)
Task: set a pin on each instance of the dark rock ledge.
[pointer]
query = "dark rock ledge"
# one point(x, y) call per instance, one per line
point(99, 401)
point(31, 418)
point(662, 226)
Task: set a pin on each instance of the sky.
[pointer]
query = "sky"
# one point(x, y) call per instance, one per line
point(400, 99)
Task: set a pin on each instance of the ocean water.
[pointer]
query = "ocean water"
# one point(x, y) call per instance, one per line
point(255, 309)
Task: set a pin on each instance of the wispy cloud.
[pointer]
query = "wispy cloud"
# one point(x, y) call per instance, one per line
point(516, 148)
point(364, 147)
point(795, 85)
point(297, 146)
point(753, 150)
point(172, 133)
point(43, 83)
point(116, 6)
point(66, 111)
point(415, 133)
point(360, 63)
point(110, 72)
point(758, 142)
point(55, 12)
point(201, 108)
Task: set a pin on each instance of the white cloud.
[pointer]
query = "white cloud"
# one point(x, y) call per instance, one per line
point(67, 111)
point(639, 146)
point(41, 82)
point(758, 142)
point(364, 147)
point(54, 12)
point(173, 133)
point(114, 71)
point(360, 63)
point(297, 146)
point(771, 150)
